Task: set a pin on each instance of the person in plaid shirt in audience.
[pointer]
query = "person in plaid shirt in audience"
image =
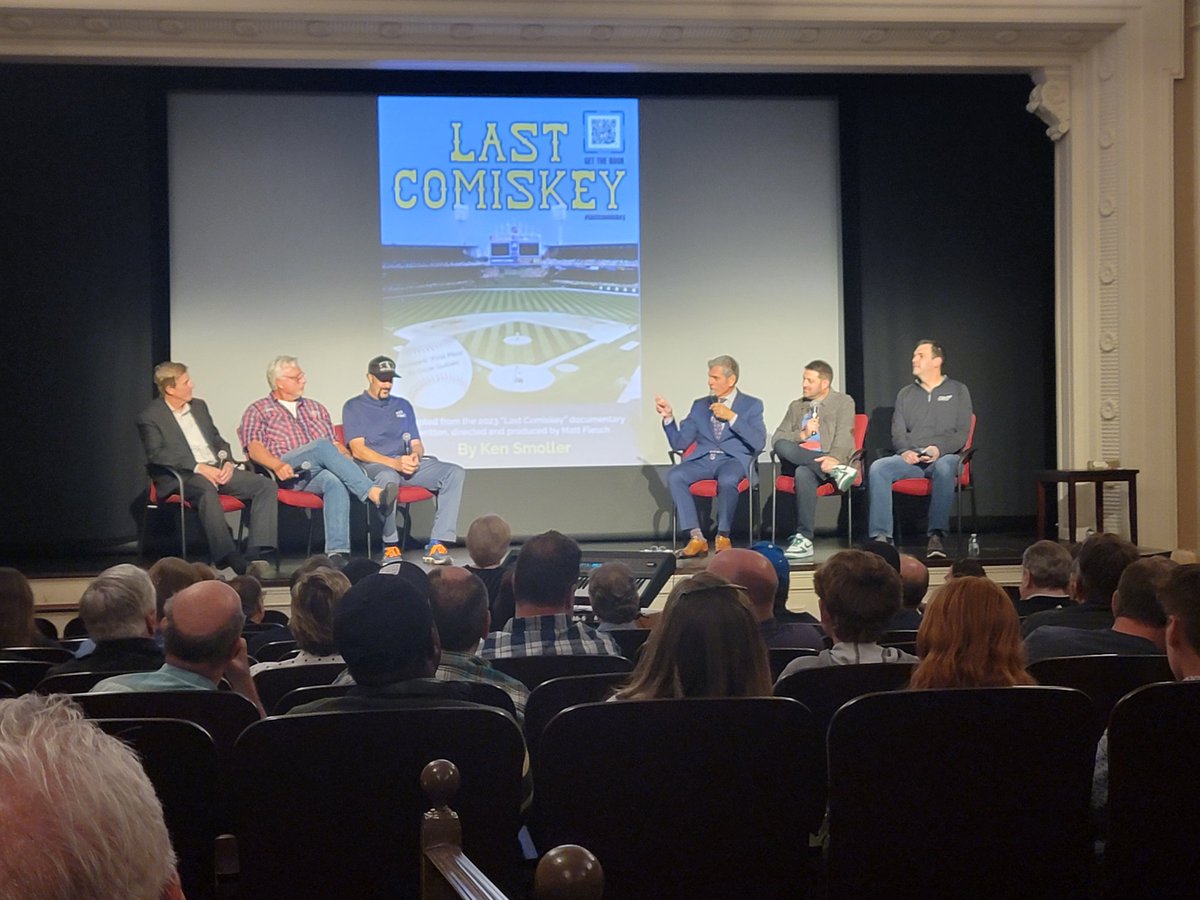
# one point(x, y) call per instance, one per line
point(293, 437)
point(544, 583)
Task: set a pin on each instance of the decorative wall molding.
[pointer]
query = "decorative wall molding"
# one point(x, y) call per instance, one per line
point(1050, 100)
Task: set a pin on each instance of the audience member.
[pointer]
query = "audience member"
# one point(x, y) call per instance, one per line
point(203, 643)
point(1045, 578)
point(914, 577)
point(858, 593)
point(385, 631)
point(249, 589)
point(1179, 597)
point(757, 575)
point(488, 538)
point(965, 566)
point(359, 568)
point(273, 632)
point(460, 610)
point(314, 600)
point(544, 588)
point(170, 575)
point(970, 637)
point(886, 551)
point(117, 609)
point(614, 597)
point(17, 628)
point(205, 572)
point(316, 561)
point(79, 816)
point(1098, 568)
point(708, 645)
point(1139, 623)
point(783, 571)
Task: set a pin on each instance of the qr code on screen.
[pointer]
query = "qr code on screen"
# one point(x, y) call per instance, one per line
point(604, 132)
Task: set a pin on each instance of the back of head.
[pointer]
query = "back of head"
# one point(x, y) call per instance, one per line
point(316, 561)
point(487, 540)
point(314, 600)
point(170, 575)
point(885, 551)
point(1048, 564)
point(708, 644)
point(1138, 590)
point(359, 568)
point(970, 636)
point(1180, 599)
point(384, 630)
point(965, 566)
point(249, 589)
point(783, 572)
point(115, 605)
point(751, 570)
point(546, 573)
point(613, 593)
point(1101, 560)
point(914, 575)
point(80, 818)
point(16, 609)
point(859, 593)
point(202, 623)
point(459, 600)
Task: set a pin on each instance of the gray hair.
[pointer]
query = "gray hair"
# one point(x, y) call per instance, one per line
point(81, 816)
point(116, 603)
point(613, 593)
point(1048, 564)
point(275, 365)
point(728, 363)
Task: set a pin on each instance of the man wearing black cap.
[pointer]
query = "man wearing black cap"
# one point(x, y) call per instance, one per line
point(381, 431)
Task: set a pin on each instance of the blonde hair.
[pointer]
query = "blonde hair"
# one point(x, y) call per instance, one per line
point(165, 374)
point(487, 539)
point(314, 599)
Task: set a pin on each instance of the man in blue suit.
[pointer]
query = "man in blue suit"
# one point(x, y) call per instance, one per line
point(728, 431)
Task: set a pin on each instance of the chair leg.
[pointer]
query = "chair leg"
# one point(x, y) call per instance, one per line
point(182, 531)
point(850, 517)
point(308, 544)
point(406, 518)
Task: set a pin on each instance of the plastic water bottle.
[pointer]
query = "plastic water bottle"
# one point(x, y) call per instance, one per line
point(973, 546)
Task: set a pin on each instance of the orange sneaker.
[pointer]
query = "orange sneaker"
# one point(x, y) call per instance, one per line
point(392, 551)
point(723, 543)
point(436, 554)
point(695, 548)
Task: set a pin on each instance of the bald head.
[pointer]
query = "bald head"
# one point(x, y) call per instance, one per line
point(202, 625)
point(914, 574)
point(754, 572)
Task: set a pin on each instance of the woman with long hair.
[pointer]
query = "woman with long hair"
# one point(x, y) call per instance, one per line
point(707, 645)
point(970, 636)
point(17, 628)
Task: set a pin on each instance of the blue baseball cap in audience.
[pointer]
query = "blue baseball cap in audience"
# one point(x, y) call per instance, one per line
point(775, 555)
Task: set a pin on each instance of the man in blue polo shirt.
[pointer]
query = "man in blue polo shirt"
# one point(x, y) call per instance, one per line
point(381, 432)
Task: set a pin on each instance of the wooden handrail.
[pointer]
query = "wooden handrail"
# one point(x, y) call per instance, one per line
point(568, 872)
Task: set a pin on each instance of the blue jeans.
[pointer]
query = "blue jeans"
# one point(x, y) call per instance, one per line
point(885, 472)
point(443, 478)
point(334, 477)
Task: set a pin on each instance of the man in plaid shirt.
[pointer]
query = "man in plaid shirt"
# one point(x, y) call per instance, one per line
point(293, 437)
point(544, 583)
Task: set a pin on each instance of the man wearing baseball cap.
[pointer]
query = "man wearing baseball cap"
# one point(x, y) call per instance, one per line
point(381, 431)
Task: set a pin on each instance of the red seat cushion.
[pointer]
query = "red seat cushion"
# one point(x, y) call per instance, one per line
point(413, 495)
point(300, 499)
point(707, 487)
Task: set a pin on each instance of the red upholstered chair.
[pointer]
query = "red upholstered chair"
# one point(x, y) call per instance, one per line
point(405, 495)
point(786, 484)
point(175, 499)
point(922, 487)
point(707, 488)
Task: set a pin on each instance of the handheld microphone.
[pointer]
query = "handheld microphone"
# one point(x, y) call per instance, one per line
point(713, 398)
point(222, 457)
point(305, 466)
point(407, 438)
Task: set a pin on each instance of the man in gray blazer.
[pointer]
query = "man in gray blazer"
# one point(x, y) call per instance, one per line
point(177, 431)
point(816, 435)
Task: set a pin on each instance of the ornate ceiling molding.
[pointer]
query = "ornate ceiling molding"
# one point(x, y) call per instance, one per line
point(649, 36)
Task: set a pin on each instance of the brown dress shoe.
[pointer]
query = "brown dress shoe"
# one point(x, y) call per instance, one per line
point(723, 543)
point(695, 548)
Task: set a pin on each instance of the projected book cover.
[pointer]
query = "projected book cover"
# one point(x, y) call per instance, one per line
point(511, 275)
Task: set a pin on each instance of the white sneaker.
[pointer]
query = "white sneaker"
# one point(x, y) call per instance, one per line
point(800, 547)
point(844, 477)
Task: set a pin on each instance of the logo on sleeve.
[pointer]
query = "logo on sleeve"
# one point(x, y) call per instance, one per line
point(401, 414)
point(945, 397)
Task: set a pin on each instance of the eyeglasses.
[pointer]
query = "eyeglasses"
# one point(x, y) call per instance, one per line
point(299, 376)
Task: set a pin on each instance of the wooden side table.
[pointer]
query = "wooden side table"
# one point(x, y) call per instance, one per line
point(1098, 477)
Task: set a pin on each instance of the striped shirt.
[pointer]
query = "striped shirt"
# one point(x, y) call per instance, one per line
point(558, 635)
point(271, 424)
